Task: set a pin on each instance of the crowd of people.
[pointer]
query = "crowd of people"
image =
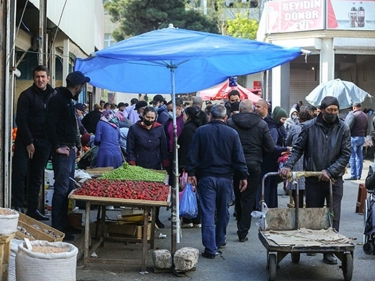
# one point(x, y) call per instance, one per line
point(224, 149)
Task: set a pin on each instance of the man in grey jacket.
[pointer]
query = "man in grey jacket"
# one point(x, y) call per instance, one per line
point(325, 143)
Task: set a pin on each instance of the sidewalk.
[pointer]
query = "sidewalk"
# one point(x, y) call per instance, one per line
point(241, 261)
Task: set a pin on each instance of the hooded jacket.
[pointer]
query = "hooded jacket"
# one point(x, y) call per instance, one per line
point(254, 135)
point(290, 121)
point(324, 148)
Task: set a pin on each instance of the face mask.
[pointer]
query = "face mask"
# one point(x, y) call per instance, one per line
point(156, 107)
point(280, 124)
point(170, 114)
point(329, 117)
point(294, 117)
point(148, 122)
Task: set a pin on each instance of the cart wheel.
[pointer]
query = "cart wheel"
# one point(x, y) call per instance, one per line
point(368, 248)
point(347, 266)
point(295, 257)
point(272, 267)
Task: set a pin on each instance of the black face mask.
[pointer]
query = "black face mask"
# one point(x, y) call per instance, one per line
point(148, 122)
point(280, 124)
point(329, 117)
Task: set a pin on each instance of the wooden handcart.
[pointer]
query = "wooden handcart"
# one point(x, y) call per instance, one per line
point(302, 230)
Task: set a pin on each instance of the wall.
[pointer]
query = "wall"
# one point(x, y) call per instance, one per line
point(81, 20)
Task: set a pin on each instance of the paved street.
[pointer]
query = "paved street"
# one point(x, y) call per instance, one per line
point(242, 261)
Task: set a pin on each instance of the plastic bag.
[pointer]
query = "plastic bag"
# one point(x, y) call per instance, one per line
point(183, 180)
point(188, 204)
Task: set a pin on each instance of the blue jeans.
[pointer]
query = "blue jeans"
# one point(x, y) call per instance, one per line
point(214, 194)
point(356, 157)
point(63, 167)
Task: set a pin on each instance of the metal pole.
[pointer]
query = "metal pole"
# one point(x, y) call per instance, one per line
point(42, 32)
point(175, 189)
point(205, 7)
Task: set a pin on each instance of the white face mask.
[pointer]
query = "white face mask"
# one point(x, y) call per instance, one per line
point(294, 117)
point(171, 114)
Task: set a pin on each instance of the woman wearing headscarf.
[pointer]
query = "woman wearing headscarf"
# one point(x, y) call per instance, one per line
point(146, 146)
point(107, 136)
point(193, 117)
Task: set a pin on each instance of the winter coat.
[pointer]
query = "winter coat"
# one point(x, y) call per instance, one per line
point(31, 114)
point(108, 139)
point(324, 148)
point(91, 120)
point(290, 121)
point(147, 148)
point(184, 142)
point(216, 151)
point(254, 134)
point(61, 124)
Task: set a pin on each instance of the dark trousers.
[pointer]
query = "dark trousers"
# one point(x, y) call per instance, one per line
point(28, 173)
point(245, 200)
point(63, 167)
point(214, 194)
point(317, 194)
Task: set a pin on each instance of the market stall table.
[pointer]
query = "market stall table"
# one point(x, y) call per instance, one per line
point(146, 205)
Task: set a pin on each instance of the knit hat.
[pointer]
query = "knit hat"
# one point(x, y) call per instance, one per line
point(279, 113)
point(329, 100)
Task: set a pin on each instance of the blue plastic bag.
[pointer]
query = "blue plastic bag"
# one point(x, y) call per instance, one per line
point(188, 204)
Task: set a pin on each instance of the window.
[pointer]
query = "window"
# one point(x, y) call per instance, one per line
point(108, 40)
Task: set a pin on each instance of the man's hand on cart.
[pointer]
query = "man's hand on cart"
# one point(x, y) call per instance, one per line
point(324, 176)
point(243, 185)
point(285, 172)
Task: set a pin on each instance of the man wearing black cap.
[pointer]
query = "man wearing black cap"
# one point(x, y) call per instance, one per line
point(325, 143)
point(357, 122)
point(161, 109)
point(63, 133)
point(79, 109)
point(32, 147)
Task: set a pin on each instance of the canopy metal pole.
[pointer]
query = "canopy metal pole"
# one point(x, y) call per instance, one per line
point(175, 188)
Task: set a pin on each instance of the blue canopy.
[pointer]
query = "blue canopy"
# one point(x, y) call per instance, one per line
point(173, 60)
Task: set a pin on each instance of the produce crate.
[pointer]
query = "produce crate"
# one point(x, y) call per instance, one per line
point(128, 230)
point(38, 230)
point(4, 255)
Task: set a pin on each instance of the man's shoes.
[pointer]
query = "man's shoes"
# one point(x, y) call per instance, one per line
point(329, 259)
point(159, 224)
point(210, 256)
point(224, 244)
point(244, 239)
point(68, 237)
point(351, 179)
point(197, 225)
point(37, 215)
point(19, 209)
point(187, 225)
point(72, 230)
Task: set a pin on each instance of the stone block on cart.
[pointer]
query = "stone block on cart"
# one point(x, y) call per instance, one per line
point(162, 259)
point(185, 258)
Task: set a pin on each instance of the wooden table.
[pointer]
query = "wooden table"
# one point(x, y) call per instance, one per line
point(146, 205)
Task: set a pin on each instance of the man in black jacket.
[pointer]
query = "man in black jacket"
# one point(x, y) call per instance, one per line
point(325, 143)
point(32, 147)
point(62, 131)
point(256, 142)
point(214, 153)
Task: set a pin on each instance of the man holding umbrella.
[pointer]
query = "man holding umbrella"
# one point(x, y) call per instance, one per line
point(325, 143)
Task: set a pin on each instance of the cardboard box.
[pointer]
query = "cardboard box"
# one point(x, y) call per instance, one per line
point(38, 230)
point(48, 194)
point(124, 230)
